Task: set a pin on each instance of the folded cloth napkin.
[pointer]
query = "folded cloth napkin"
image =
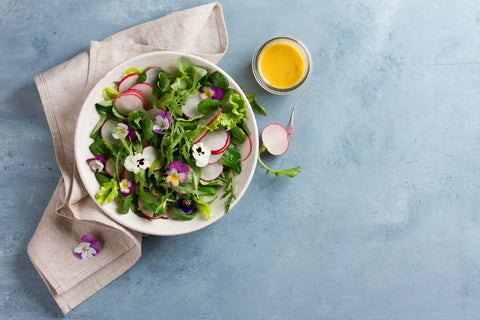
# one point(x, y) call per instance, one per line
point(71, 213)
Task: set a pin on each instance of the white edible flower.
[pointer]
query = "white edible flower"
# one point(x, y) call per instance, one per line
point(136, 162)
point(84, 250)
point(201, 154)
point(122, 128)
point(96, 165)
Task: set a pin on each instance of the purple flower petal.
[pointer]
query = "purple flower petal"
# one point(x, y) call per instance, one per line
point(218, 95)
point(96, 245)
point(89, 238)
point(185, 205)
point(179, 167)
point(78, 255)
point(131, 133)
point(97, 157)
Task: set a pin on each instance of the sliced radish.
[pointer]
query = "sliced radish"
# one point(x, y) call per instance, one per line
point(245, 149)
point(146, 89)
point(152, 75)
point(211, 172)
point(138, 93)
point(147, 212)
point(217, 141)
point(214, 158)
point(106, 132)
point(200, 136)
point(275, 139)
point(128, 102)
point(190, 109)
point(127, 82)
point(151, 154)
point(110, 168)
point(209, 117)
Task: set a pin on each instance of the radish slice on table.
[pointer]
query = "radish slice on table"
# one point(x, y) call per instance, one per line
point(110, 168)
point(152, 75)
point(214, 158)
point(127, 82)
point(211, 172)
point(245, 149)
point(190, 109)
point(217, 141)
point(275, 139)
point(151, 154)
point(106, 132)
point(146, 89)
point(128, 102)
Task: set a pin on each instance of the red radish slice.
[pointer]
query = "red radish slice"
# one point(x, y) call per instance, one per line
point(209, 117)
point(106, 132)
point(211, 172)
point(275, 139)
point(128, 102)
point(214, 158)
point(200, 136)
point(146, 89)
point(152, 75)
point(127, 82)
point(190, 109)
point(110, 168)
point(147, 212)
point(139, 93)
point(217, 141)
point(245, 149)
point(151, 154)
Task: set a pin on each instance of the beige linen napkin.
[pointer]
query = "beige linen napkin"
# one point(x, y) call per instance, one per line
point(71, 213)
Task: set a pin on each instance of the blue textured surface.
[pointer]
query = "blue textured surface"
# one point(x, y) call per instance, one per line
point(383, 222)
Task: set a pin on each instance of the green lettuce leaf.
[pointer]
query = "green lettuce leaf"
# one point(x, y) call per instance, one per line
point(108, 192)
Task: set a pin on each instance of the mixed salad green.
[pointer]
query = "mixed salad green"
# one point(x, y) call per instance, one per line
point(167, 142)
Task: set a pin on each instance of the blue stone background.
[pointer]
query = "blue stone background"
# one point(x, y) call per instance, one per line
point(383, 222)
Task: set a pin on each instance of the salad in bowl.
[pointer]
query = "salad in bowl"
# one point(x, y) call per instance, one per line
point(166, 143)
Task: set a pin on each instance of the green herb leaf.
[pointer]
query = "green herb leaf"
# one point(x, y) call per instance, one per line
point(208, 105)
point(231, 158)
point(291, 172)
point(99, 146)
point(142, 77)
point(124, 204)
point(217, 79)
point(237, 136)
point(256, 107)
point(204, 208)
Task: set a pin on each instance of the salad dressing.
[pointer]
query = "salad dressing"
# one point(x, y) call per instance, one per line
point(282, 65)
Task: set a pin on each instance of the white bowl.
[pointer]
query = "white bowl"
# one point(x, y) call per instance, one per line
point(89, 117)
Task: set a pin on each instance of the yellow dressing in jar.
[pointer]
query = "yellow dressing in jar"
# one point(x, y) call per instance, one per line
point(281, 65)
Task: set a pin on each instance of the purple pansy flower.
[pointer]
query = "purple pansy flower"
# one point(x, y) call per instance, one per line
point(185, 205)
point(88, 248)
point(162, 121)
point(96, 164)
point(177, 173)
point(126, 187)
point(211, 93)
